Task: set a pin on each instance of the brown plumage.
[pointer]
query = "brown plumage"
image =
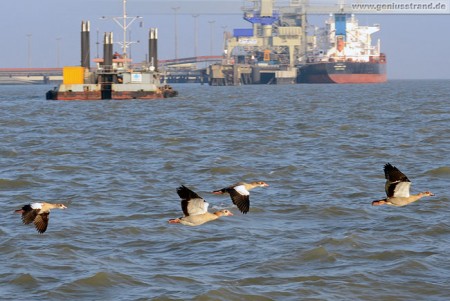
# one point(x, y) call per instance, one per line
point(195, 209)
point(397, 189)
point(240, 194)
point(38, 213)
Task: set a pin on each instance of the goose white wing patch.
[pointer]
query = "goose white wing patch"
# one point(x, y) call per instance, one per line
point(36, 205)
point(241, 190)
point(197, 206)
point(402, 189)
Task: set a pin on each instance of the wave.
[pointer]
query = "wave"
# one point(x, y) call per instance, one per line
point(26, 280)
point(105, 279)
point(8, 153)
point(440, 172)
point(226, 294)
point(14, 184)
point(318, 253)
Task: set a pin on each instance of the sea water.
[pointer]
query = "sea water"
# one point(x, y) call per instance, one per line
point(311, 235)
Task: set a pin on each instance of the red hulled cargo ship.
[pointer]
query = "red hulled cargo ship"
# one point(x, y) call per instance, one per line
point(342, 53)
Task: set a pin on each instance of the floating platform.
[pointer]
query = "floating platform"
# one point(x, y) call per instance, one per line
point(114, 76)
point(119, 85)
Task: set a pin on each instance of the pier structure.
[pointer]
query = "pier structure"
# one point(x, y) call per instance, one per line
point(267, 52)
point(182, 70)
point(28, 76)
point(188, 70)
point(270, 51)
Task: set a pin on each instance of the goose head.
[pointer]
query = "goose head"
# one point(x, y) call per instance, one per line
point(223, 212)
point(426, 193)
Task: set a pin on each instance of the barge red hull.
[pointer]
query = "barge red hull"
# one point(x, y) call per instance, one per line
point(124, 95)
point(55, 95)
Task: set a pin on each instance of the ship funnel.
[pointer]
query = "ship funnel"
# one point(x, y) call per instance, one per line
point(108, 50)
point(85, 46)
point(153, 48)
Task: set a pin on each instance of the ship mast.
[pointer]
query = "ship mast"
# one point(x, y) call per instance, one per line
point(125, 22)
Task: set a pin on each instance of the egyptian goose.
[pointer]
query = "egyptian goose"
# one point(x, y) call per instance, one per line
point(195, 209)
point(38, 213)
point(240, 194)
point(397, 189)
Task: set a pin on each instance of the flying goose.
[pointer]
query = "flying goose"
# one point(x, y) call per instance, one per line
point(240, 194)
point(38, 213)
point(397, 189)
point(195, 209)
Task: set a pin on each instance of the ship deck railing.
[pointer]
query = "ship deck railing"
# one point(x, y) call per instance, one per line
point(110, 70)
point(330, 59)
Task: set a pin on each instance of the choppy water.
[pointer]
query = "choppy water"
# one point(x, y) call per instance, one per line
point(311, 235)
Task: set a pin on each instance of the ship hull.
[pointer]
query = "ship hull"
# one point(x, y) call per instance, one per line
point(75, 92)
point(147, 95)
point(343, 73)
point(73, 95)
point(141, 91)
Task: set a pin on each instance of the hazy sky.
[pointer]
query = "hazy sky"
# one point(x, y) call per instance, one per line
point(36, 31)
